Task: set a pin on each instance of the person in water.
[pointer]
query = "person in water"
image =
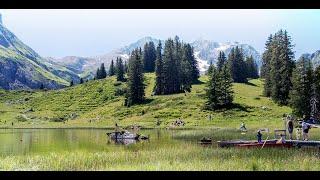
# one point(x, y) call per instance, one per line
point(259, 136)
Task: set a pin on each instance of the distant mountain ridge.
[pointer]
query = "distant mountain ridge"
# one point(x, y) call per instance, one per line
point(206, 51)
point(22, 68)
point(314, 57)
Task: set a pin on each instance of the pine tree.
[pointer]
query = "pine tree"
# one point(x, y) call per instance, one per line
point(112, 70)
point(316, 89)
point(119, 70)
point(210, 69)
point(81, 80)
point(281, 68)
point(103, 72)
point(266, 66)
point(302, 89)
point(237, 65)
point(71, 83)
point(186, 74)
point(226, 97)
point(125, 67)
point(169, 67)
point(252, 68)
point(221, 60)
point(213, 91)
point(41, 86)
point(149, 57)
point(135, 93)
point(98, 74)
point(159, 71)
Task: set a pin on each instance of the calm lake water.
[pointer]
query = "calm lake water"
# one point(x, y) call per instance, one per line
point(28, 141)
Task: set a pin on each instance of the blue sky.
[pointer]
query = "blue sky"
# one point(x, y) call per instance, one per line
point(59, 33)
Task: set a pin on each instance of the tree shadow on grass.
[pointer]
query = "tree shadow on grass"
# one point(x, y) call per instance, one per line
point(237, 107)
point(198, 82)
point(250, 84)
point(147, 101)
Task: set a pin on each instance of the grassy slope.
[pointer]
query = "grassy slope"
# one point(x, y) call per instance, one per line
point(87, 106)
point(13, 56)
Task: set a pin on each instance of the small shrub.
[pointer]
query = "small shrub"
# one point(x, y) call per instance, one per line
point(118, 83)
point(120, 91)
point(257, 98)
point(99, 90)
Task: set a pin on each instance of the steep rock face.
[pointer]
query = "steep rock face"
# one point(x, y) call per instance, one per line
point(314, 57)
point(15, 74)
point(21, 67)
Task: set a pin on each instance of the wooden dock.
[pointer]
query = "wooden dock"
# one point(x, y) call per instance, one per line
point(299, 143)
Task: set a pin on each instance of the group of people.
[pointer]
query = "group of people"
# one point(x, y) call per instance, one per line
point(303, 128)
point(289, 123)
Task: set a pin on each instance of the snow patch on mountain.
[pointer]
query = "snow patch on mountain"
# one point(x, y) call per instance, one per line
point(203, 65)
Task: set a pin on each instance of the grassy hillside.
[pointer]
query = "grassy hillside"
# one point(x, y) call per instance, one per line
point(100, 104)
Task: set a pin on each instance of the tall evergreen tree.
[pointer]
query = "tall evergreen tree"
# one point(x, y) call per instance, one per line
point(281, 68)
point(103, 72)
point(252, 68)
point(266, 66)
point(221, 60)
point(237, 65)
point(81, 80)
point(125, 67)
point(71, 83)
point(159, 71)
point(98, 74)
point(302, 89)
point(316, 90)
point(112, 70)
point(119, 69)
point(149, 57)
point(186, 74)
point(41, 86)
point(135, 93)
point(213, 91)
point(226, 97)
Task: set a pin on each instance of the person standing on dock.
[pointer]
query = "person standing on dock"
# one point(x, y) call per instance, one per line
point(259, 136)
point(305, 128)
point(290, 128)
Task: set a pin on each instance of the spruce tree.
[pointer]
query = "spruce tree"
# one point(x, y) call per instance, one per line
point(252, 68)
point(135, 93)
point(71, 83)
point(281, 68)
point(81, 80)
point(213, 91)
point(98, 74)
point(316, 89)
point(103, 72)
point(119, 70)
point(41, 86)
point(237, 65)
point(159, 71)
point(169, 67)
point(112, 70)
point(226, 97)
point(302, 89)
point(266, 66)
point(149, 57)
point(186, 74)
point(221, 60)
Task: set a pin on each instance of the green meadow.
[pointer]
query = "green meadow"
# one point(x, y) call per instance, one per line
point(75, 144)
